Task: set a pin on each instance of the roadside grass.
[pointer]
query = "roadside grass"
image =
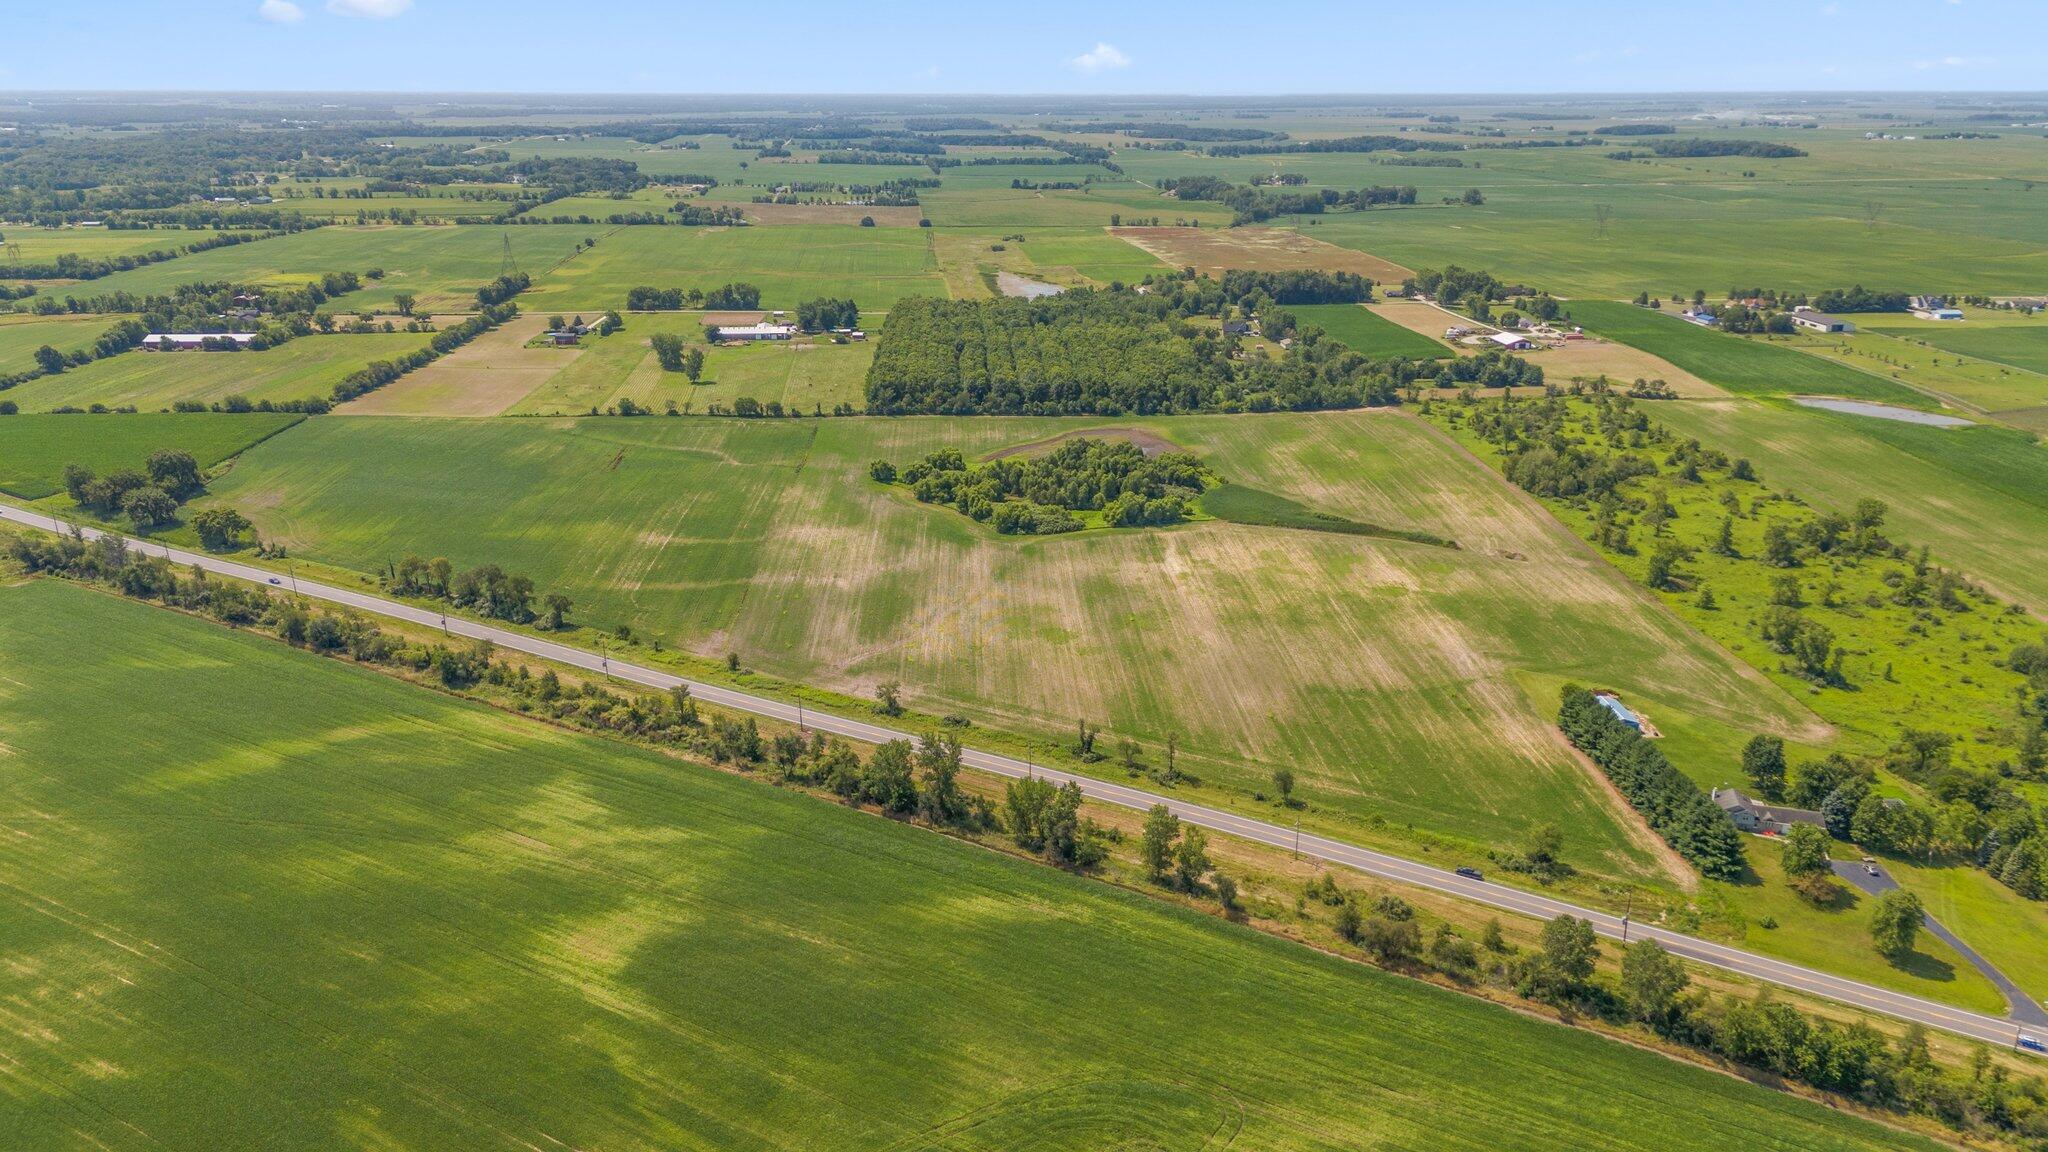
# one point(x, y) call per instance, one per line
point(1352, 660)
point(455, 901)
point(300, 369)
point(35, 449)
point(1368, 333)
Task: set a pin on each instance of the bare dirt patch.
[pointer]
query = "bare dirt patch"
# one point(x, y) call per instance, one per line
point(482, 378)
point(1150, 443)
point(849, 214)
point(1216, 250)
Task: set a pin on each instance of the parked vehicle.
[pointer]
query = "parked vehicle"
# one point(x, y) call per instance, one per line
point(1870, 865)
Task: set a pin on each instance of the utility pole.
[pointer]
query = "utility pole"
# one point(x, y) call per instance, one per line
point(292, 566)
point(799, 716)
point(444, 621)
point(1297, 837)
point(1626, 911)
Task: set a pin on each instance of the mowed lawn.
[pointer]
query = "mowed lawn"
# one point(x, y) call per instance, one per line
point(35, 449)
point(1378, 670)
point(1368, 333)
point(300, 369)
point(291, 904)
point(872, 266)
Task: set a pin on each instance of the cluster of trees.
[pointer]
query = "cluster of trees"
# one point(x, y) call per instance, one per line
point(1104, 352)
point(381, 372)
point(1861, 299)
point(1177, 855)
point(1453, 286)
point(1678, 809)
point(1700, 146)
point(1638, 130)
point(728, 297)
point(149, 497)
point(1252, 204)
point(693, 214)
point(487, 590)
point(673, 356)
point(826, 313)
point(1033, 496)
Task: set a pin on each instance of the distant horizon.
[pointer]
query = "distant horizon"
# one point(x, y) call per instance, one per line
point(1198, 47)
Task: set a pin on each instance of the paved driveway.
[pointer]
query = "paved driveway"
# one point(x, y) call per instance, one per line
point(2023, 1008)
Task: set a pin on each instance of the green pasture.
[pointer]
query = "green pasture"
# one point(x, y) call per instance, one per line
point(35, 449)
point(441, 265)
point(1369, 333)
point(292, 904)
point(1977, 385)
point(21, 335)
point(24, 244)
point(2021, 342)
point(298, 369)
point(789, 264)
point(1355, 661)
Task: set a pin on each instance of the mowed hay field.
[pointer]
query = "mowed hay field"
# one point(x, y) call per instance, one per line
point(1378, 670)
point(293, 904)
point(35, 449)
point(482, 378)
point(1214, 251)
point(300, 369)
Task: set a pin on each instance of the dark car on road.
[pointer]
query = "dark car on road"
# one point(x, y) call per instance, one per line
point(1471, 874)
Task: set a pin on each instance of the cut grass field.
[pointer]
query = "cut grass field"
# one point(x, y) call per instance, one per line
point(2019, 342)
point(482, 378)
point(1976, 387)
point(1355, 661)
point(1369, 333)
point(293, 904)
point(803, 377)
point(21, 335)
point(789, 264)
point(35, 449)
point(1214, 251)
point(300, 369)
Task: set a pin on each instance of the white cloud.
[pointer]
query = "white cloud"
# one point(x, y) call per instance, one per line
point(1099, 58)
point(932, 73)
point(280, 12)
point(369, 9)
point(1952, 62)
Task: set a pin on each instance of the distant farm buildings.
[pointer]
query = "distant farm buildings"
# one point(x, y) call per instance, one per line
point(1512, 341)
point(188, 341)
point(1755, 816)
point(1699, 316)
point(1934, 308)
point(1820, 321)
point(749, 332)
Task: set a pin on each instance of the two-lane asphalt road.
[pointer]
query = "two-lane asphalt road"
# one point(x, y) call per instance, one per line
point(1904, 1007)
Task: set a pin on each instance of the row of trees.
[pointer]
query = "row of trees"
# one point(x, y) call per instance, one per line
point(1678, 809)
point(378, 373)
point(727, 297)
point(487, 589)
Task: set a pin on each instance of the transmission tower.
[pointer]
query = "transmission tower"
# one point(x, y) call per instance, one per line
point(507, 266)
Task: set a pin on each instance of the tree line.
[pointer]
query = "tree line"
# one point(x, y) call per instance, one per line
point(1036, 496)
point(725, 298)
point(1676, 808)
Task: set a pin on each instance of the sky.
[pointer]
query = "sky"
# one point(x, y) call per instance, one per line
point(1045, 46)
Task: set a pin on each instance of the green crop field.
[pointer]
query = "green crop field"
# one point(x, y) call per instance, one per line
point(873, 266)
point(1745, 365)
point(441, 265)
point(292, 904)
point(296, 370)
point(41, 245)
point(2021, 342)
point(1369, 333)
point(35, 449)
point(1354, 660)
point(20, 336)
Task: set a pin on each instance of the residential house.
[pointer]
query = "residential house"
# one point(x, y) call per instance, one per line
point(1752, 815)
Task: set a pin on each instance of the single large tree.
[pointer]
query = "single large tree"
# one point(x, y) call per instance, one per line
point(1895, 923)
point(1763, 761)
point(1162, 828)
